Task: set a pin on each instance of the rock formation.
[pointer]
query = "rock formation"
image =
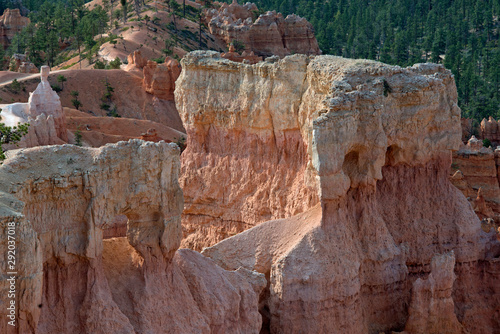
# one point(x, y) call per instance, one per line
point(27, 67)
point(354, 157)
point(432, 309)
point(19, 63)
point(60, 200)
point(467, 129)
point(136, 60)
point(490, 129)
point(270, 34)
point(151, 135)
point(475, 173)
point(11, 22)
point(159, 79)
point(44, 114)
point(244, 57)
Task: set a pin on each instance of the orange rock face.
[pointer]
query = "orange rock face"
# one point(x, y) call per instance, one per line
point(136, 61)
point(475, 173)
point(11, 22)
point(159, 79)
point(70, 279)
point(245, 57)
point(432, 307)
point(490, 129)
point(355, 181)
point(270, 34)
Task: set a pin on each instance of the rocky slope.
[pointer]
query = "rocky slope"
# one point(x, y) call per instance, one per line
point(59, 201)
point(267, 35)
point(363, 149)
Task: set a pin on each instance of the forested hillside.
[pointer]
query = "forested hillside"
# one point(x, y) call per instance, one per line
point(461, 34)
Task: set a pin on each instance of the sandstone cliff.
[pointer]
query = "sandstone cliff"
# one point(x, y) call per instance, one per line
point(63, 199)
point(270, 34)
point(475, 173)
point(363, 150)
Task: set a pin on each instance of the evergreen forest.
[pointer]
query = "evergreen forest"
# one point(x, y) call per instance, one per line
point(463, 35)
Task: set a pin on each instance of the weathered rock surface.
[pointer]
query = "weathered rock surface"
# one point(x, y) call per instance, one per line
point(19, 63)
point(490, 129)
point(159, 79)
point(432, 309)
point(270, 34)
point(11, 22)
point(246, 160)
point(244, 57)
point(44, 114)
point(136, 61)
point(370, 144)
point(70, 280)
point(475, 173)
point(27, 67)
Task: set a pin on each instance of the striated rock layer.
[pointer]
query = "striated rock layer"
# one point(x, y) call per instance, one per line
point(363, 150)
point(246, 159)
point(61, 200)
point(475, 172)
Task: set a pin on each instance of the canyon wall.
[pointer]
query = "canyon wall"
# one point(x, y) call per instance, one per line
point(246, 159)
point(270, 34)
point(353, 156)
point(58, 202)
point(475, 171)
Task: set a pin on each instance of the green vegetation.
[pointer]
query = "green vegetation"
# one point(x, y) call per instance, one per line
point(15, 86)
point(78, 138)
point(486, 142)
point(463, 35)
point(76, 102)
point(61, 79)
point(55, 21)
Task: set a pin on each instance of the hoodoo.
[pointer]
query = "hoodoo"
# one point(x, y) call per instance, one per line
point(363, 150)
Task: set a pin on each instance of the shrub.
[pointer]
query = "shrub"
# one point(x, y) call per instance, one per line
point(15, 86)
point(56, 88)
point(115, 64)
point(100, 65)
point(486, 142)
point(78, 138)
